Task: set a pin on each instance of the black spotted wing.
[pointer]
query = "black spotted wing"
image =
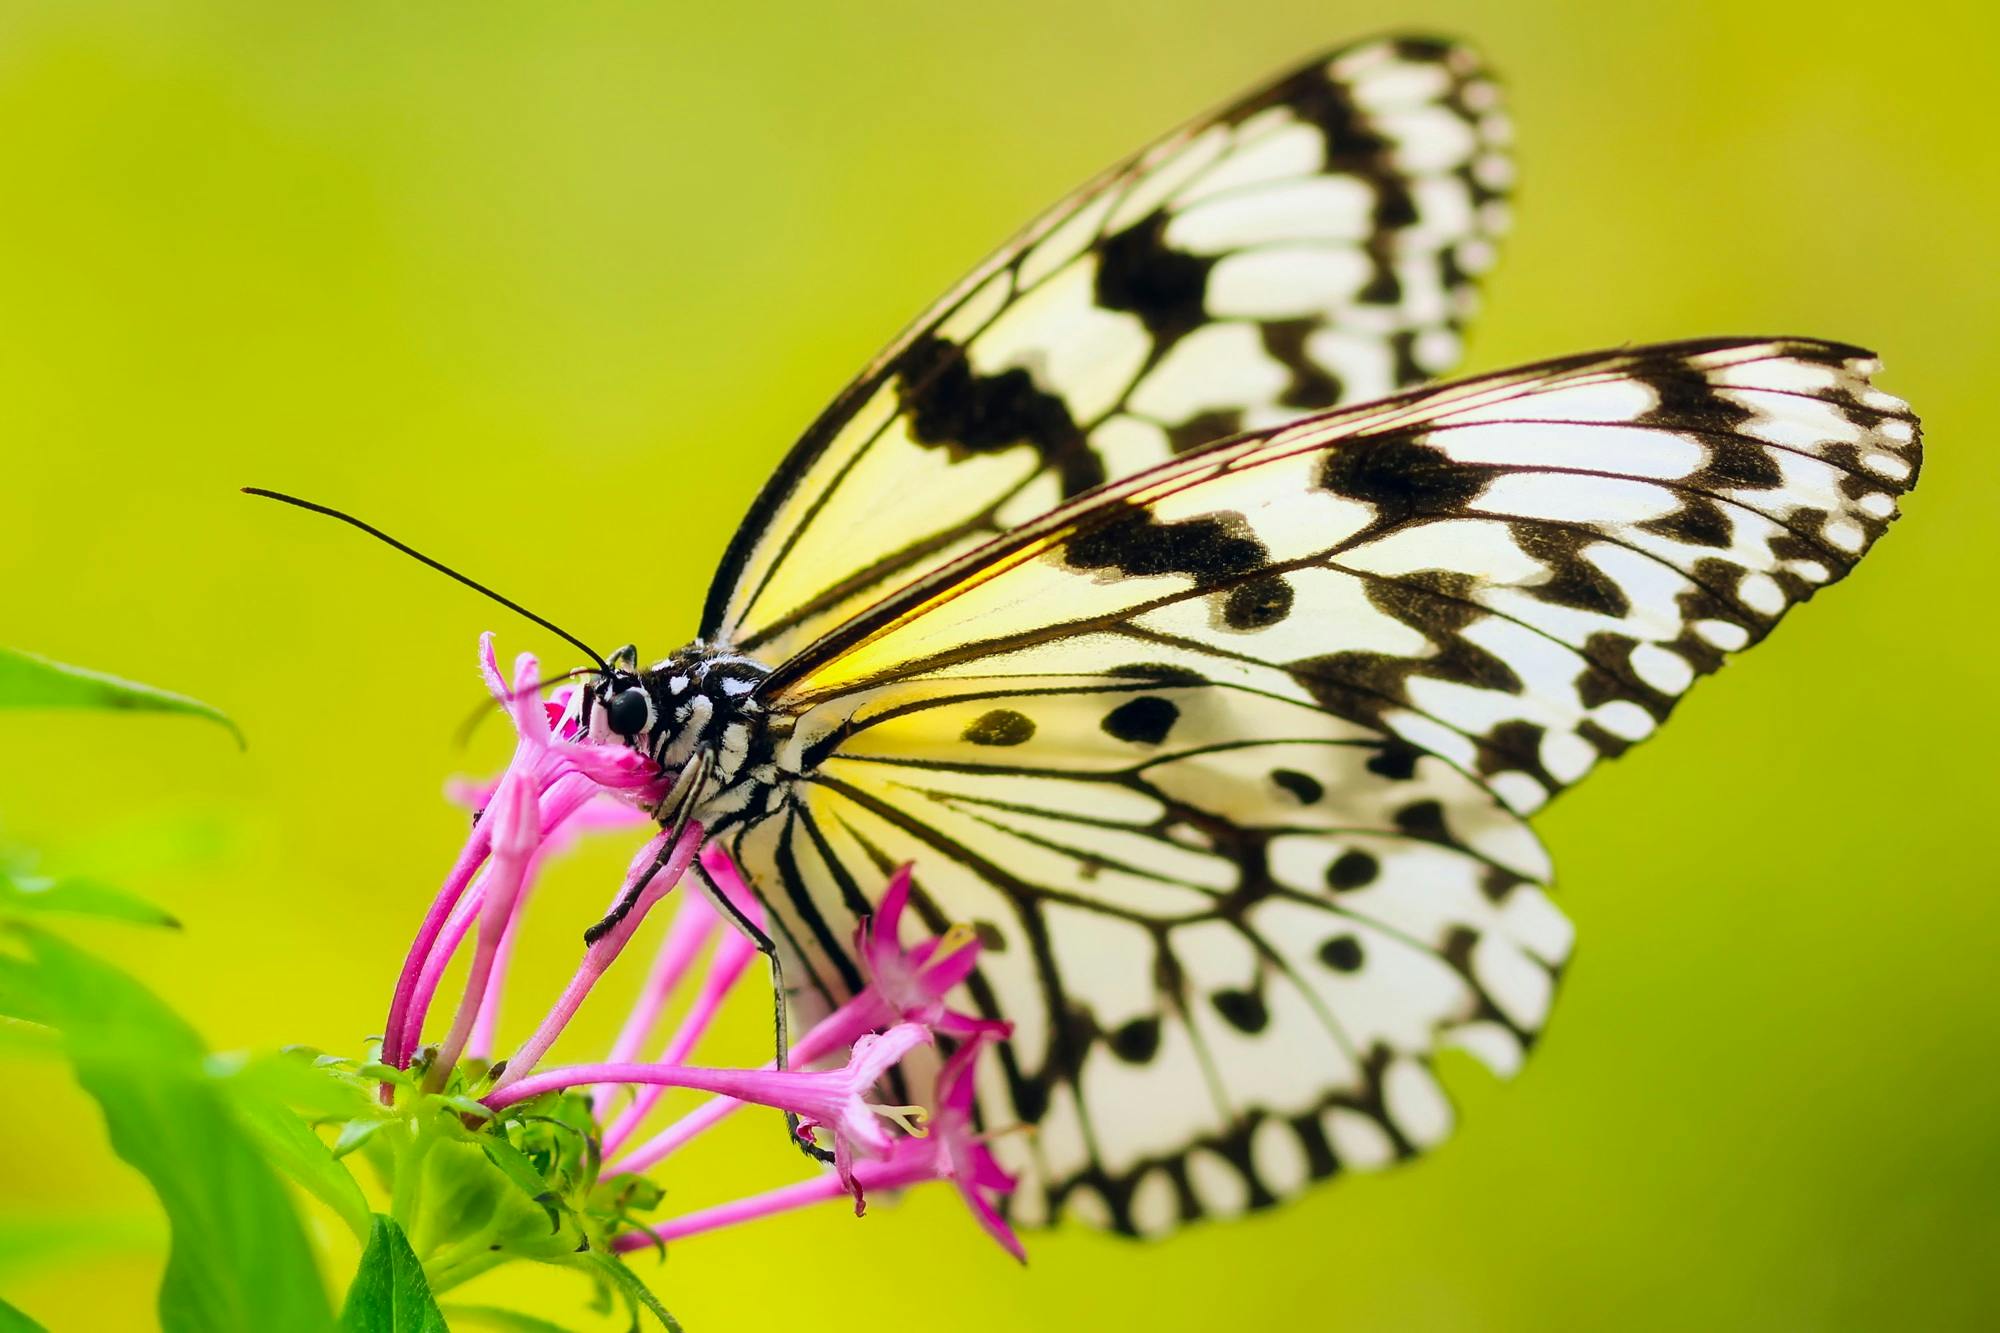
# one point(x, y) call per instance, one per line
point(1229, 762)
point(1312, 244)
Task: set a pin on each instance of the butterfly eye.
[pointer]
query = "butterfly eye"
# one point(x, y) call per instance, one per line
point(630, 711)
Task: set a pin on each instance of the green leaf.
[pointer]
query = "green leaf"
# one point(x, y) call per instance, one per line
point(390, 1293)
point(355, 1133)
point(382, 1073)
point(77, 897)
point(507, 1321)
point(239, 1259)
point(298, 1152)
point(13, 1321)
point(512, 1163)
point(466, 1105)
point(21, 991)
point(27, 681)
point(622, 1279)
point(318, 1088)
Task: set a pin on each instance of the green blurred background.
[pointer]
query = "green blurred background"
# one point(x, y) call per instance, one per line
point(548, 289)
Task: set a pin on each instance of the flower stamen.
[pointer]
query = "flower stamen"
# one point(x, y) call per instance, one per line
point(912, 1120)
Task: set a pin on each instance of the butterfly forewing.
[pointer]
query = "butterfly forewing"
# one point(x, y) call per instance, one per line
point(1228, 761)
point(1313, 244)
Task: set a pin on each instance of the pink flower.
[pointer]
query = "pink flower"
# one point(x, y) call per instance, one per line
point(904, 986)
point(546, 786)
point(952, 1151)
point(561, 783)
point(911, 984)
point(835, 1100)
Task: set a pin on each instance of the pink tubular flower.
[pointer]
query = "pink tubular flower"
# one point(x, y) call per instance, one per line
point(560, 784)
point(904, 986)
point(833, 1099)
point(547, 784)
point(952, 1150)
point(911, 984)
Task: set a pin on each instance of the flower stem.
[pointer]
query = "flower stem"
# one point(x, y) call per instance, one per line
point(733, 954)
point(563, 799)
point(692, 926)
point(602, 954)
point(838, 1029)
point(820, 1189)
point(516, 809)
point(457, 1269)
point(397, 1040)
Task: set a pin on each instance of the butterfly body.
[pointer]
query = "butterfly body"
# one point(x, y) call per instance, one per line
point(694, 711)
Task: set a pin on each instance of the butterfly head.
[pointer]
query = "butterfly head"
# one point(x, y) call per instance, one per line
point(620, 697)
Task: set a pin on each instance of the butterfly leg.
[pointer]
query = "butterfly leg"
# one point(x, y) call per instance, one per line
point(780, 1023)
point(630, 898)
point(672, 813)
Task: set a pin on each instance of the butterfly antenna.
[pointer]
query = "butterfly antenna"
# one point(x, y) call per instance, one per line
point(439, 566)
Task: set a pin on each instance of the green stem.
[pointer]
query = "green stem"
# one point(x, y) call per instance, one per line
point(406, 1191)
point(454, 1269)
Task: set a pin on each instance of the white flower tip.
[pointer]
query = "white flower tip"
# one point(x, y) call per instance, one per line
point(527, 674)
point(489, 667)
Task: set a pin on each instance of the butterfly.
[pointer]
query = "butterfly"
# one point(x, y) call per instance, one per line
point(1208, 660)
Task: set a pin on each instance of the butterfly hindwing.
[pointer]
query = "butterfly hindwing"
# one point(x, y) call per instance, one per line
point(1228, 762)
point(1229, 929)
point(1313, 244)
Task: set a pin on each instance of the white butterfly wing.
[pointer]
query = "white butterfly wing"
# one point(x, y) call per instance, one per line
point(1228, 762)
point(1315, 243)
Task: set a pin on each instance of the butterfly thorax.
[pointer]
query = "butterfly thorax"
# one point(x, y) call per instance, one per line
point(695, 708)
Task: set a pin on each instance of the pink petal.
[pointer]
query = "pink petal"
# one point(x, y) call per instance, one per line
point(874, 1056)
point(524, 703)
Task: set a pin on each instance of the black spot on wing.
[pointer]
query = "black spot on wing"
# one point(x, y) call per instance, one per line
point(1352, 870)
point(1313, 387)
point(1342, 953)
point(1699, 521)
point(1515, 744)
point(1138, 1041)
point(1139, 273)
point(1243, 1010)
point(1688, 399)
point(1145, 720)
point(1382, 288)
point(1739, 464)
point(1395, 760)
point(1574, 580)
point(1301, 787)
point(950, 406)
point(1210, 547)
point(1425, 819)
point(1001, 726)
point(1353, 144)
point(1401, 478)
point(1257, 604)
point(1403, 352)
